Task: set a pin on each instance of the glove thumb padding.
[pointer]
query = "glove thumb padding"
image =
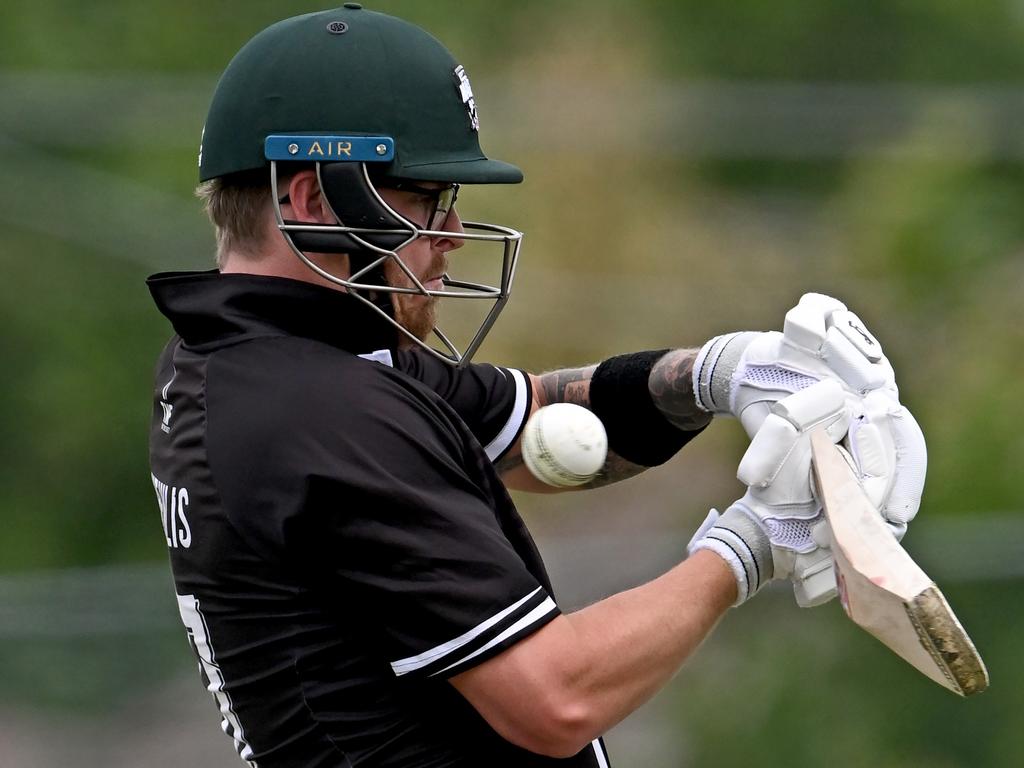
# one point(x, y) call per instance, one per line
point(891, 457)
point(911, 468)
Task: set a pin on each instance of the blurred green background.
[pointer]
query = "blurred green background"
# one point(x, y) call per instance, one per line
point(691, 168)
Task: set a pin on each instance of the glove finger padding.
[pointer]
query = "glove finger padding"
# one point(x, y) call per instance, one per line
point(778, 461)
point(777, 465)
point(776, 526)
point(805, 324)
point(849, 360)
point(820, 332)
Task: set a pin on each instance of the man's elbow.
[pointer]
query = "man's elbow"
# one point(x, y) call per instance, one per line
point(553, 729)
point(534, 693)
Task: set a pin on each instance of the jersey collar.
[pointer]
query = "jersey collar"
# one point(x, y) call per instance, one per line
point(210, 310)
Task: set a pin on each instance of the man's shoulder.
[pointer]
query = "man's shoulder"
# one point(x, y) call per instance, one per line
point(286, 381)
point(287, 363)
point(289, 408)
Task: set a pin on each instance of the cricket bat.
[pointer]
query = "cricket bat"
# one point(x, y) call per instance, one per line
point(883, 590)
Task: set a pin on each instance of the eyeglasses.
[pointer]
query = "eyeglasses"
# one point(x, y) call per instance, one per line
point(443, 199)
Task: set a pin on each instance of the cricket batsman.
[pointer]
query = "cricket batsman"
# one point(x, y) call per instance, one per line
point(332, 471)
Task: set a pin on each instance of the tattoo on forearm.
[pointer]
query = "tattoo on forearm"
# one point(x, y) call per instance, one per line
point(615, 469)
point(571, 385)
point(671, 385)
point(509, 461)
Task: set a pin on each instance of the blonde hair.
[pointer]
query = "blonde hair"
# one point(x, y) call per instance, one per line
point(236, 205)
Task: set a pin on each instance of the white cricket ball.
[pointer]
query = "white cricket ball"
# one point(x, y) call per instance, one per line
point(564, 445)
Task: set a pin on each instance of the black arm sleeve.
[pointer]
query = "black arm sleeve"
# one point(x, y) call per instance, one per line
point(621, 398)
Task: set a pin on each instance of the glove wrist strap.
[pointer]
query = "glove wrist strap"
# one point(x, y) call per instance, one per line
point(713, 369)
point(744, 546)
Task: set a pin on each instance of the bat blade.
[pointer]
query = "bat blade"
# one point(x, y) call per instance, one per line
point(883, 590)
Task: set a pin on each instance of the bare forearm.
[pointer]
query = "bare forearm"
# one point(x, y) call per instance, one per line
point(636, 641)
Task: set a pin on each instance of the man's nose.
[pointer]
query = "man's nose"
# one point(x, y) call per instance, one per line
point(452, 224)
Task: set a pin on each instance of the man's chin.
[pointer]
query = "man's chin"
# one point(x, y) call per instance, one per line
point(417, 320)
point(421, 329)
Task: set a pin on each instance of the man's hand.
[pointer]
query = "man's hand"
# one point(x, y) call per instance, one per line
point(777, 529)
point(744, 373)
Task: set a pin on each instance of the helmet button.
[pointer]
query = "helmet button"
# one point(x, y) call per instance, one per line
point(352, 6)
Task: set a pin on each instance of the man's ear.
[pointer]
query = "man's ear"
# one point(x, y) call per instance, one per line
point(307, 200)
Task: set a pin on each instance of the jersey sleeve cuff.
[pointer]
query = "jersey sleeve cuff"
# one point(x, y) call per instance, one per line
point(509, 433)
point(486, 639)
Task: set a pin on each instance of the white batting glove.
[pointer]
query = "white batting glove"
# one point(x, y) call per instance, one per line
point(777, 529)
point(885, 447)
point(744, 373)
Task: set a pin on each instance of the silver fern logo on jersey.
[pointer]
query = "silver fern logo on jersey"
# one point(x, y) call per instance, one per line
point(166, 422)
point(466, 91)
point(168, 409)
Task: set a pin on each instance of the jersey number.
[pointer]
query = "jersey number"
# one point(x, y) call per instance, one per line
point(199, 636)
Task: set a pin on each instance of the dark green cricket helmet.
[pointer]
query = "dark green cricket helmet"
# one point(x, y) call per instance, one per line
point(349, 73)
point(370, 101)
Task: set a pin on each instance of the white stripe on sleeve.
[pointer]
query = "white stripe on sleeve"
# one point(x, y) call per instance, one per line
point(540, 611)
point(520, 409)
point(412, 663)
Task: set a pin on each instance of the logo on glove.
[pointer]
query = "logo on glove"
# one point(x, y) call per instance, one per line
point(864, 334)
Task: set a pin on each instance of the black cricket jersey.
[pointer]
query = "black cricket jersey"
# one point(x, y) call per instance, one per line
point(340, 541)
